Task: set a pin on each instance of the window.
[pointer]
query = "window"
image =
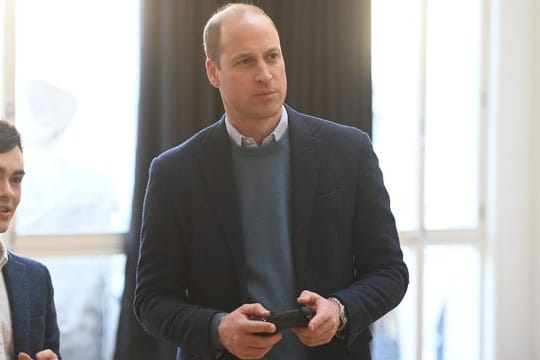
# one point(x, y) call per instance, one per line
point(76, 89)
point(73, 91)
point(427, 86)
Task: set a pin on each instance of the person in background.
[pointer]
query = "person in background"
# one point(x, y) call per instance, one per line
point(266, 210)
point(28, 316)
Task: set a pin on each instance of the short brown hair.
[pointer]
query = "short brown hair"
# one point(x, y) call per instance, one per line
point(212, 29)
point(9, 137)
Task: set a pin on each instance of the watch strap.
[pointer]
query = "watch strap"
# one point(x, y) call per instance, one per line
point(342, 314)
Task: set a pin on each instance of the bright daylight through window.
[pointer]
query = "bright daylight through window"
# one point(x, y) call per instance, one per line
point(427, 111)
point(75, 83)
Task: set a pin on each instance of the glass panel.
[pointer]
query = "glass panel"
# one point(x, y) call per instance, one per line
point(451, 303)
point(452, 113)
point(2, 60)
point(87, 292)
point(76, 89)
point(395, 67)
point(394, 336)
point(3, 24)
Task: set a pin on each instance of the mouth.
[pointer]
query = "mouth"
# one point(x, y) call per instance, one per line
point(5, 210)
point(266, 93)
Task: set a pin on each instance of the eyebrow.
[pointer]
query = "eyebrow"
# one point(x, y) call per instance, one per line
point(250, 54)
point(17, 172)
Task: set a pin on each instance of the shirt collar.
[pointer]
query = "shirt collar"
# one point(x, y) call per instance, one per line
point(3, 254)
point(245, 141)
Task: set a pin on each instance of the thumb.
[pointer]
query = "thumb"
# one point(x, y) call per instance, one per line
point(254, 310)
point(307, 298)
point(23, 356)
point(46, 354)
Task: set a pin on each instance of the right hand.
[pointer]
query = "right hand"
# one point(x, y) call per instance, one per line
point(237, 332)
point(42, 355)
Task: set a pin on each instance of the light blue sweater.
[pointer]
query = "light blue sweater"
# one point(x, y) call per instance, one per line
point(263, 180)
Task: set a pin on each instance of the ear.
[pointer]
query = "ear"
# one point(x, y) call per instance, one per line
point(212, 73)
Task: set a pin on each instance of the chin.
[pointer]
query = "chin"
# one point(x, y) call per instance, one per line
point(271, 110)
point(3, 226)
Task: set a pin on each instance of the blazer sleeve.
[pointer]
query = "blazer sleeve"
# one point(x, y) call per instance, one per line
point(381, 276)
point(31, 294)
point(52, 332)
point(161, 301)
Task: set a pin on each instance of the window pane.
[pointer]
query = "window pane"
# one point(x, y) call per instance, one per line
point(87, 317)
point(76, 90)
point(451, 303)
point(394, 336)
point(395, 67)
point(6, 72)
point(2, 57)
point(452, 113)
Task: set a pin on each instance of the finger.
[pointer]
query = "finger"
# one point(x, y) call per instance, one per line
point(46, 355)
point(264, 341)
point(318, 331)
point(307, 298)
point(23, 356)
point(322, 336)
point(327, 316)
point(255, 346)
point(262, 328)
point(256, 310)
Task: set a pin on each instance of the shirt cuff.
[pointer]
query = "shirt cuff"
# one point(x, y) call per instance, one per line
point(214, 338)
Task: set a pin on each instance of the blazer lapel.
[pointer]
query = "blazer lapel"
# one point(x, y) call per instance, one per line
point(305, 158)
point(216, 165)
point(19, 303)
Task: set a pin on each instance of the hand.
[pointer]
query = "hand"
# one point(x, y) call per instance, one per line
point(42, 355)
point(237, 332)
point(323, 326)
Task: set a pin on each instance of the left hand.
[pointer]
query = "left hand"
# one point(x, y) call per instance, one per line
point(323, 326)
point(42, 355)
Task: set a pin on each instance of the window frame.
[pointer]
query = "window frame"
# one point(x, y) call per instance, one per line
point(50, 244)
point(419, 239)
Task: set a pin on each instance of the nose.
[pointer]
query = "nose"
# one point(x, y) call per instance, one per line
point(264, 73)
point(6, 189)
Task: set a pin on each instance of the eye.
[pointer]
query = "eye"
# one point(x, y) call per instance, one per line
point(273, 56)
point(243, 61)
point(17, 179)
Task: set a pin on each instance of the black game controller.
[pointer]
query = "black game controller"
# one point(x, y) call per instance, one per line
point(291, 318)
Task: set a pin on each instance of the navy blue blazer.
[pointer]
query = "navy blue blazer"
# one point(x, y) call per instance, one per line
point(31, 300)
point(344, 239)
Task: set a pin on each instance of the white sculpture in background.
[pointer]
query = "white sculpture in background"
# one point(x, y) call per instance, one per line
point(61, 196)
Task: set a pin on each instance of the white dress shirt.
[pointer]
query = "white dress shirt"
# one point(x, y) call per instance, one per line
point(241, 140)
point(6, 336)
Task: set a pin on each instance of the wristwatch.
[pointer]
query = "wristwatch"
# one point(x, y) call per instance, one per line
point(342, 314)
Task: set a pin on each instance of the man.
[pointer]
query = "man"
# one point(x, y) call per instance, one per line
point(28, 315)
point(264, 211)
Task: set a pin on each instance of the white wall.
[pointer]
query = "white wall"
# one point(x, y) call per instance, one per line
point(512, 177)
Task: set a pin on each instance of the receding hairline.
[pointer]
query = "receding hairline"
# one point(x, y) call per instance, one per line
point(212, 29)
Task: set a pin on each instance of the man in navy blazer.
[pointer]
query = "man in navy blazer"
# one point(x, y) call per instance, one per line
point(28, 315)
point(264, 211)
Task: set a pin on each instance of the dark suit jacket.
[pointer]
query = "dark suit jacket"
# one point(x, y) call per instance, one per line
point(31, 300)
point(344, 239)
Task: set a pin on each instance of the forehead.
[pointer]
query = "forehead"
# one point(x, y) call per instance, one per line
point(11, 162)
point(247, 32)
